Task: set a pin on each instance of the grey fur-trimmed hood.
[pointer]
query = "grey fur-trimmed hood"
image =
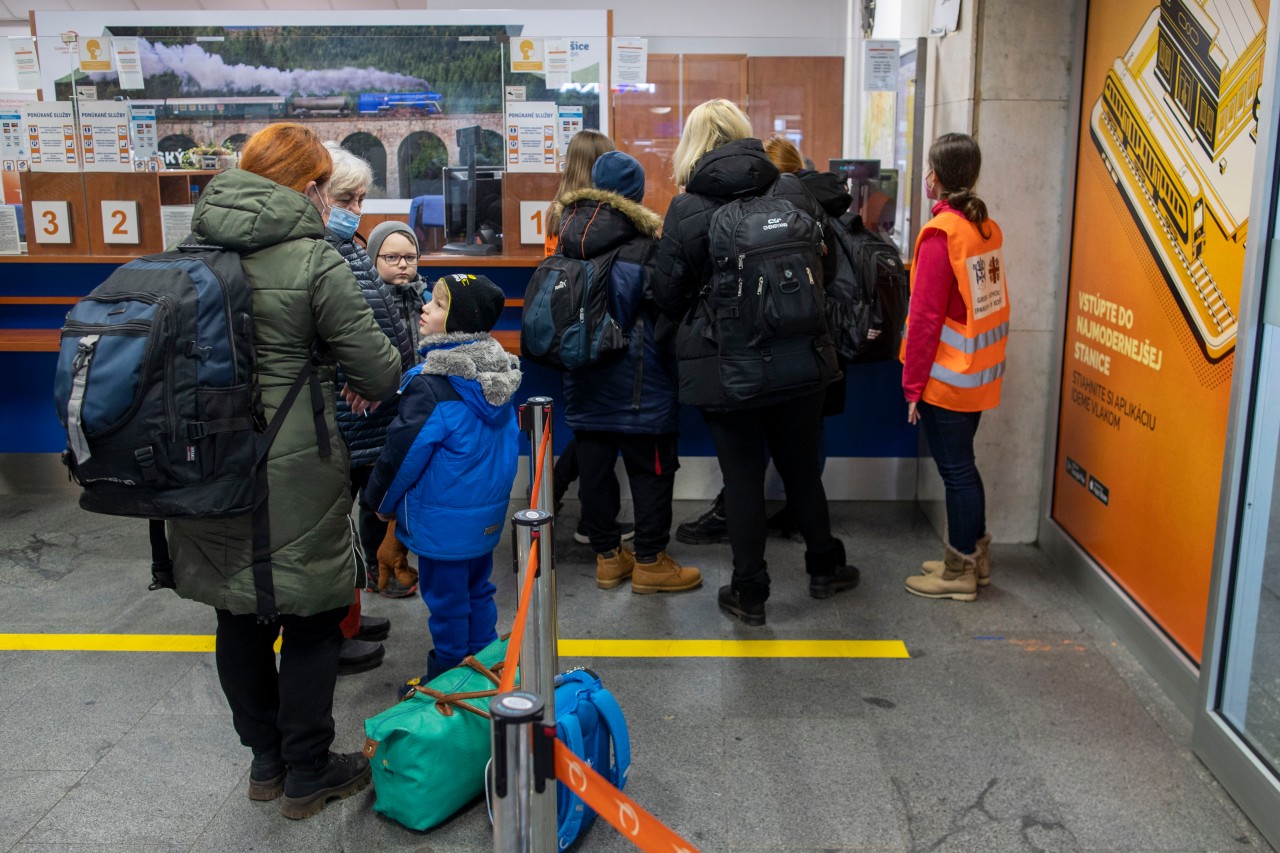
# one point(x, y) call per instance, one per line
point(645, 220)
point(476, 357)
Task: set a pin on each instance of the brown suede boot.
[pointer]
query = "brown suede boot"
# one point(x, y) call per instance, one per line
point(664, 575)
point(958, 579)
point(614, 567)
point(933, 567)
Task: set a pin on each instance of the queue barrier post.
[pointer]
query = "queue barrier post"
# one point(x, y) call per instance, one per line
point(521, 768)
point(532, 529)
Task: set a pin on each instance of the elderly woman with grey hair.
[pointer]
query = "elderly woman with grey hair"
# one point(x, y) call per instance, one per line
point(363, 423)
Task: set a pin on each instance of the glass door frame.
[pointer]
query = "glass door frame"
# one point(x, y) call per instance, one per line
point(1248, 478)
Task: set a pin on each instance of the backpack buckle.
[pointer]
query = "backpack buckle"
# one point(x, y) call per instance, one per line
point(196, 351)
point(197, 429)
point(145, 456)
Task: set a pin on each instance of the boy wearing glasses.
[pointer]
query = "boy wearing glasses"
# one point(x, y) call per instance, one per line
point(394, 249)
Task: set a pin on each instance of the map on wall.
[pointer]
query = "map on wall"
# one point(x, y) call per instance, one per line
point(1168, 141)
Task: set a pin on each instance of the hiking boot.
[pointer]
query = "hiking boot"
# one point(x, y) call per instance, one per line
point(359, 656)
point(828, 573)
point(395, 589)
point(743, 605)
point(664, 575)
point(266, 775)
point(958, 579)
point(580, 534)
point(933, 567)
point(708, 528)
point(373, 628)
point(307, 790)
point(782, 524)
point(614, 567)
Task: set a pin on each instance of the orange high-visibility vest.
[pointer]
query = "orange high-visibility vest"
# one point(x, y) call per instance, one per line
point(968, 367)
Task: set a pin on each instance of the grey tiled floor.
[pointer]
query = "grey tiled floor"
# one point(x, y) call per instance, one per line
point(1018, 723)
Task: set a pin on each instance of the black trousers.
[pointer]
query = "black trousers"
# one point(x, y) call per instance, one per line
point(370, 529)
point(651, 462)
point(791, 432)
point(291, 709)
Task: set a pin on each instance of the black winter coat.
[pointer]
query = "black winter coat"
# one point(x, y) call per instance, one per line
point(683, 266)
point(634, 393)
point(366, 435)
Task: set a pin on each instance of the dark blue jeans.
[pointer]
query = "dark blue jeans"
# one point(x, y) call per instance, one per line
point(950, 436)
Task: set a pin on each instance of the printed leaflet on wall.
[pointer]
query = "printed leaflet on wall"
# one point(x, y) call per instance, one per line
point(49, 130)
point(104, 136)
point(531, 136)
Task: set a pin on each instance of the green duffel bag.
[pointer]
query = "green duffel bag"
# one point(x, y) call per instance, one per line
point(428, 752)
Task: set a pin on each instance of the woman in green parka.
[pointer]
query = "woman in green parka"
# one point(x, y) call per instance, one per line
point(270, 211)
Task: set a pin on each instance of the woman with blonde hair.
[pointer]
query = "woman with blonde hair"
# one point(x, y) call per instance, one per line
point(718, 161)
point(304, 295)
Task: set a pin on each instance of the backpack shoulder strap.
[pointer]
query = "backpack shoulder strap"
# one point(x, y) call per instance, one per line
point(570, 823)
point(611, 713)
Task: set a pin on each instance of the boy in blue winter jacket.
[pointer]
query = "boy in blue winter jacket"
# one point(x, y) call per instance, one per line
point(449, 463)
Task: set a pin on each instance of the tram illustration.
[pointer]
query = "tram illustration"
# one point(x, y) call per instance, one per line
point(1176, 125)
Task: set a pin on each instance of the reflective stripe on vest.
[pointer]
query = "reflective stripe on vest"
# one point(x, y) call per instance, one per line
point(966, 380)
point(969, 346)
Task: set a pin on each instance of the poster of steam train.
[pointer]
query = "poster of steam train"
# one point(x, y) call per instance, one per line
point(394, 93)
point(1177, 126)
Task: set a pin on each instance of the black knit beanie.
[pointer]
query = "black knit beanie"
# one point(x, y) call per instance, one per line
point(475, 303)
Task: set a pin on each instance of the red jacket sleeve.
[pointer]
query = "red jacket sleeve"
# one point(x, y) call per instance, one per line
point(934, 283)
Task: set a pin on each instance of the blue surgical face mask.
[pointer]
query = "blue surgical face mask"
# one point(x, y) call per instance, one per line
point(343, 222)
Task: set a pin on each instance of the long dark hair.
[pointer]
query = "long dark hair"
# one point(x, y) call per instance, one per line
point(956, 162)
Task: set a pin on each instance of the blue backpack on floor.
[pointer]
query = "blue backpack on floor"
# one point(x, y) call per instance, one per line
point(590, 722)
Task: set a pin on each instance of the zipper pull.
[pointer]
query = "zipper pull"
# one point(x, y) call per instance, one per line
point(739, 287)
point(582, 315)
point(760, 286)
point(810, 272)
point(741, 258)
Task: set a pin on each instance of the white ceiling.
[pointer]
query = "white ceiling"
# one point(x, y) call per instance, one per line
point(16, 10)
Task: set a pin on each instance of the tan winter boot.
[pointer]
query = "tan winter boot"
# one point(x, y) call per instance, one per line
point(614, 567)
point(958, 579)
point(664, 575)
point(933, 567)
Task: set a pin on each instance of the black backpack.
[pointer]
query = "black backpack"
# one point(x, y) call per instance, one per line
point(566, 323)
point(766, 299)
point(155, 387)
point(868, 294)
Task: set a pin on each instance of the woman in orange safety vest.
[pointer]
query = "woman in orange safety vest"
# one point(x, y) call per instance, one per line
point(953, 356)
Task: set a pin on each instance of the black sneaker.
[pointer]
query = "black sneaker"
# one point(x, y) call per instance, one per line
point(373, 628)
point(749, 611)
point(359, 656)
point(308, 790)
point(266, 775)
point(708, 528)
point(580, 534)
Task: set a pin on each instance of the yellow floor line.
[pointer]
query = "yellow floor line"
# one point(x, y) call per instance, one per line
point(734, 649)
point(568, 648)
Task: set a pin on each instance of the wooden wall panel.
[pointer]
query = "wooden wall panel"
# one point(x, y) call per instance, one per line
point(804, 94)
